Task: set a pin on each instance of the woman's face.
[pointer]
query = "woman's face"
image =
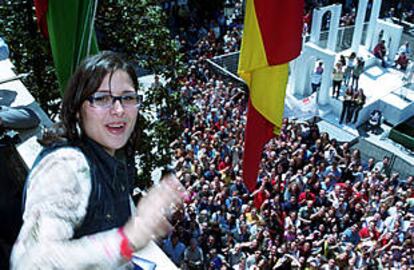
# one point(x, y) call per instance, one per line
point(111, 127)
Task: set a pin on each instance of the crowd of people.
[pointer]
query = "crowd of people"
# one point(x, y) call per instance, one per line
point(345, 85)
point(346, 75)
point(401, 10)
point(205, 33)
point(317, 204)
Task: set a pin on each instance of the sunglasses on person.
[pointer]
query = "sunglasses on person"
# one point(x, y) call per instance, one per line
point(106, 100)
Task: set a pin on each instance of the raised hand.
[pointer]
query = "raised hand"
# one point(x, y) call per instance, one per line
point(150, 221)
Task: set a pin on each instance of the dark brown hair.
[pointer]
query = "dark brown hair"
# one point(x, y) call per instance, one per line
point(84, 82)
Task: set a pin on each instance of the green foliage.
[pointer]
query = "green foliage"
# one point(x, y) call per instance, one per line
point(29, 52)
point(135, 28)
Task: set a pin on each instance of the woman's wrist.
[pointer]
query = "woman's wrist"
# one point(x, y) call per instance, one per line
point(137, 233)
point(126, 246)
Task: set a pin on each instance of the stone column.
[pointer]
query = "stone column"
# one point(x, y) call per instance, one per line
point(323, 94)
point(298, 79)
point(359, 25)
point(316, 26)
point(333, 27)
point(375, 10)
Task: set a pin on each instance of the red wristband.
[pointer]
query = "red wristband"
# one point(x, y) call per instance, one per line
point(126, 247)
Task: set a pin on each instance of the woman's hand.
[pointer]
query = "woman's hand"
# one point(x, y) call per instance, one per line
point(150, 221)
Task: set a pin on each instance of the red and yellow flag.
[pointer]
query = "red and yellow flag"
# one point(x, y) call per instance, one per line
point(272, 37)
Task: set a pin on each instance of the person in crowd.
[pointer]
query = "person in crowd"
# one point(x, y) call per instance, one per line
point(342, 60)
point(358, 70)
point(253, 259)
point(402, 61)
point(316, 77)
point(235, 255)
point(351, 108)
point(374, 121)
point(13, 121)
point(337, 78)
point(383, 167)
point(351, 235)
point(78, 212)
point(17, 118)
point(380, 52)
point(409, 73)
point(193, 256)
point(346, 106)
point(330, 265)
point(175, 249)
point(405, 48)
point(359, 102)
point(307, 18)
point(319, 68)
point(349, 68)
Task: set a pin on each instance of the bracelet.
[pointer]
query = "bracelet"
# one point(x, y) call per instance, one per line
point(126, 246)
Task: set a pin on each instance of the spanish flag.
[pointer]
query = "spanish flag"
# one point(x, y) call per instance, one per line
point(69, 26)
point(272, 37)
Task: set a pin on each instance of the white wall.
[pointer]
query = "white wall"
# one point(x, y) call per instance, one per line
point(317, 17)
point(391, 32)
point(304, 66)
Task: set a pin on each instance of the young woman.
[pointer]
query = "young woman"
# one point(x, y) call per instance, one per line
point(358, 70)
point(337, 78)
point(346, 106)
point(349, 68)
point(380, 51)
point(359, 100)
point(78, 212)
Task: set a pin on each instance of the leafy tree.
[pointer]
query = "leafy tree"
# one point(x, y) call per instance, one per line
point(30, 52)
point(135, 28)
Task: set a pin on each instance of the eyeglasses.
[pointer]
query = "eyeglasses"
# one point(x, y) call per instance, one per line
point(106, 101)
